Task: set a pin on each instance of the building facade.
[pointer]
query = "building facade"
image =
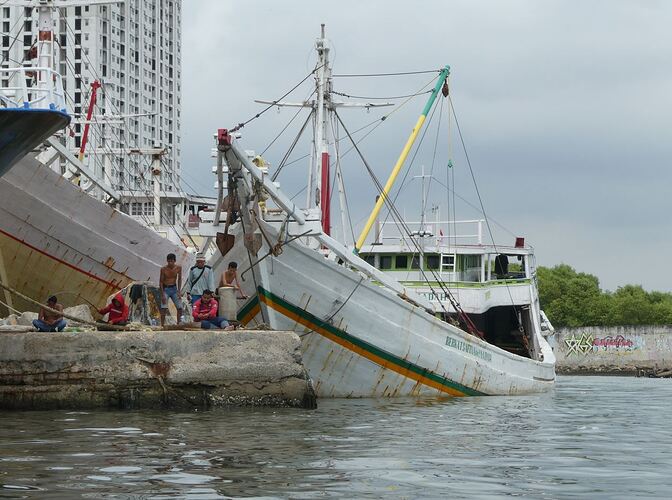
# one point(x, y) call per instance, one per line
point(133, 49)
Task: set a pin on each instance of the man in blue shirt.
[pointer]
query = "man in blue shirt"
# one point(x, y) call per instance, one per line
point(200, 278)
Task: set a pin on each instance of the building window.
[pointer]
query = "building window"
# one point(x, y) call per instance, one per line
point(136, 208)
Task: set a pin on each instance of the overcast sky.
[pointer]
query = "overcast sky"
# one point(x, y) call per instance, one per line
point(565, 109)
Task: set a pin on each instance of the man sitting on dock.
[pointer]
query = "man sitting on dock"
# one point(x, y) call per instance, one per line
point(170, 283)
point(48, 320)
point(200, 278)
point(117, 311)
point(205, 310)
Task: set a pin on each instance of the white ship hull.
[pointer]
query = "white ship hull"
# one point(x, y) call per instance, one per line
point(56, 239)
point(360, 340)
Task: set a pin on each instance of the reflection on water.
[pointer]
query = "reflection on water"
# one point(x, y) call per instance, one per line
point(593, 436)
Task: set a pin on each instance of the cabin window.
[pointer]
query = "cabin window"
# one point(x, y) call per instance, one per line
point(386, 262)
point(432, 261)
point(472, 261)
point(401, 262)
point(447, 263)
point(415, 262)
point(369, 258)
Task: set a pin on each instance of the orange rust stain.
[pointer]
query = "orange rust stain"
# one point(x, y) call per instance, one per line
point(159, 369)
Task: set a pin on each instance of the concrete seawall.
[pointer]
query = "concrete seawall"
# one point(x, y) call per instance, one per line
point(182, 369)
point(617, 350)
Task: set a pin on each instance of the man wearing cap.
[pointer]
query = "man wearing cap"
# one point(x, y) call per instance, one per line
point(49, 321)
point(200, 278)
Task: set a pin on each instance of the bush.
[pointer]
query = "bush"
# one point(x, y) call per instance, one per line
point(575, 299)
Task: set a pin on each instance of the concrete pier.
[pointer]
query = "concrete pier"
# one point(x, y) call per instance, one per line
point(174, 369)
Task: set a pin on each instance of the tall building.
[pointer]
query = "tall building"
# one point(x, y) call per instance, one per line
point(133, 49)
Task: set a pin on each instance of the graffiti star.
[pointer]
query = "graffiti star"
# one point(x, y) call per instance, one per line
point(573, 345)
point(586, 343)
point(582, 345)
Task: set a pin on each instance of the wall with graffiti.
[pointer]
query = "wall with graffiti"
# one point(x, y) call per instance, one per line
point(614, 349)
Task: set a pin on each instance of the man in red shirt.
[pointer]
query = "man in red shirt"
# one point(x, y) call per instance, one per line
point(117, 311)
point(205, 310)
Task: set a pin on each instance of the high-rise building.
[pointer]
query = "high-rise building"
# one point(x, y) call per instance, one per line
point(133, 49)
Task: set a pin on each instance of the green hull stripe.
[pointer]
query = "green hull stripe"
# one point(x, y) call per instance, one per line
point(402, 363)
point(247, 308)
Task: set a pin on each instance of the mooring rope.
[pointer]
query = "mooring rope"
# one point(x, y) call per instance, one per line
point(68, 316)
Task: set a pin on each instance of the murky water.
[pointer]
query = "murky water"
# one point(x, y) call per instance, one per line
point(597, 437)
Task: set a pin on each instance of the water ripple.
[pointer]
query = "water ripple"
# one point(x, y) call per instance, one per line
point(594, 437)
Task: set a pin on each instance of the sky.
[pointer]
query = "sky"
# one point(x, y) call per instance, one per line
point(564, 108)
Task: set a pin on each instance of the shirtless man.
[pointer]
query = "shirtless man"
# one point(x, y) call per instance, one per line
point(230, 276)
point(48, 321)
point(170, 283)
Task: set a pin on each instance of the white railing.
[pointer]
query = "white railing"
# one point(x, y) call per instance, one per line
point(441, 231)
point(47, 93)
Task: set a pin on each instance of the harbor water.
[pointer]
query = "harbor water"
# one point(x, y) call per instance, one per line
point(596, 437)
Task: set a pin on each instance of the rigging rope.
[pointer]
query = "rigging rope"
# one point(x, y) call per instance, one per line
point(478, 193)
point(286, 126)
point(381, 98)
point(401, 73)
point(148, 182)
point(461, 314)
point(241, 125)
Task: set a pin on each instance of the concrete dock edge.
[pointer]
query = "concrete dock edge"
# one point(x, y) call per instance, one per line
point(173, 369)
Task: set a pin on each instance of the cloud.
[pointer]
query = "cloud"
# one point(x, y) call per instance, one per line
point(564, 110)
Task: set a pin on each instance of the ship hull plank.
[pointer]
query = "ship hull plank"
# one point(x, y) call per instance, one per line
point(55, 238)
point(360, 340)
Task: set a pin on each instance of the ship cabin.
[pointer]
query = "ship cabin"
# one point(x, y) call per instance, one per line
point(493, 284)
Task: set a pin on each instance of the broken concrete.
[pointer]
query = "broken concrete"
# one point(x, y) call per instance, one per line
point(152, 369)
point(26, 318)
point(82, 312)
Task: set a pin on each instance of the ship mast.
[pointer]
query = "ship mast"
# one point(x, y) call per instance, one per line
point(319, 175)
point(320, 169)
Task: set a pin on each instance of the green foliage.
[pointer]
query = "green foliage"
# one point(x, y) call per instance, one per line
point(575, 299)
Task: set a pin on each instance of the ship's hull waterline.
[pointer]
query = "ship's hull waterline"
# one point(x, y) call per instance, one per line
point(56, 239)
point(360, 340)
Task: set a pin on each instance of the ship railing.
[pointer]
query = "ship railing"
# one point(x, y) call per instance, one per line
point(47, 93)
point(440, 231)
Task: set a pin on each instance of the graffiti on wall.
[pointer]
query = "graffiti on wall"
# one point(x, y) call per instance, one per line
point(585, 344)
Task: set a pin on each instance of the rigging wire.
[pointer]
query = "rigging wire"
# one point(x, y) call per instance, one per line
point(100, 140)
point(122, 140)
point(334, 128)
point(291, 148)
point(460, 312)
point(453, 193)
point(242, 124)
point(286, 126)
point(480, 200)
point(380, 98)
point(377, 122)
point(401, 73)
